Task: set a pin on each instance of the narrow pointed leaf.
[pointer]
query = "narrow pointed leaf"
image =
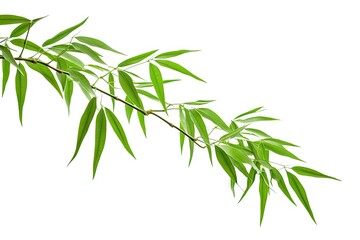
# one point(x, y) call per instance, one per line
point(128, 110)
point(62, 34)
point(256, 119)
point(300, 192)
point(127, 85)
point(198, 102)
point(88, 51)
point(250, 182)
point(232, 186)
point(5, 74)
point(23, 28)
point(264, 192)
point(157, 80)
point(177, 67)
point(61, 64)
point(141, 118)
point(249, 112)
point(96, 43)
point(279, 142)
point(46, 73)
point(214, 117)
point(278, 149)
point(118, 130)
point(150, 84)
point(182, 127)
point(226, 163)
point(258, 132)
point(112, 88)
point(74, 61)
point(83, 83)
point(136, 59)
point(174, 53)
point(241, 167)
point(236, 153)
point(191, 131)
point(68, 91)
point(12, 19)
point(84, 124)
point(9, 57)
point(304, 171)
point(148, 95)
point(30, 46)
point(100, 138)
point(21, 86)
point(233, 134)
point(275, 174)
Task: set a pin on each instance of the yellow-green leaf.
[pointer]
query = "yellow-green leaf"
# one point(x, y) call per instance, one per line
point(304, 171)
point(157, 80)
point(5, 74)
point(88, 51)
point(191, 131)
point(174, 53)
point(100, 138)
point(68, 91)
point(9, 57)
point(96, 43)
point(264, 192)
point(6, 19)
point(214, 117)
point(226, 163)
point(21, 86)
point(112, 88)
point(127, 85)
point(177, 67)
point(275, 174)
point(250, 182)
point(136, 59)
point(278, 149)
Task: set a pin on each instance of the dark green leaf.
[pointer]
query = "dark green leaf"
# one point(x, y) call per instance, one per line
point(174, 53)
point(249, 112)
point(100, 138)
point(250, 182)
point(62, 34)
point(84, 124)
point(12, 19)
point(275, 174)
point(112, 88)
point(264, 192)
point(177, 67)
point(226, 163)
point(46, 73)
point(88, 51)
point(201, 127)
point(68, 91)
point(212, 116)
point(300, 192)
point(199, 102)
point(278, 149)
point(9, 57)
point(96, 43)
point(136, 59)
point(256, 119)
point(304, 171)
point(156, 79)
point(83, 83)
point(118, 130)
point(21, 86)
point(191, 131)
point(141, 118)
point(127, 85)
point(5, 74)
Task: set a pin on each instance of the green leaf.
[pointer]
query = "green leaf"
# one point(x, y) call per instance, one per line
point(257, 132)
point(141, 118)
point(300, 192)
point(150, 84)
point(249, 112)
point(241, 167)
point(23, 28)
point(88, 51)
point(112, 88)
point(173, 53)
point(70, 58)
point(30, 46)
point(304, 171)
point(21, 86)
point(279, 142)
point(201, 127)
point(96, 43)
point(5, 74)
point(198, 102)
point(157, 80)
point(182, 127)
point(84, 124)
point(177, 67)
point(264, 192)
point(250, 182)
point(9, 57)
point(275, 174)
point(232, 186)
point(83, 83)
point(212, 116)
point(12, 19)
point(62, 34)
point(236, 153)
point(136, 59)
point(46, 73)
point(256, 119)
point(61, 64)
point(118, 130)
point(278, 149)
point(148, 95)
point(127, 85)
point(100, 138)
point(226, 163)
point(191, 131)
point(128, 110)
point(233, 134)
point(68, 91)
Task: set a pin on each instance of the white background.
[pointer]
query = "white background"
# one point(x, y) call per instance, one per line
point(299, 59)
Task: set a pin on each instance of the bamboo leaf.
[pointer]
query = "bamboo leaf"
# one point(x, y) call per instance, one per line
point(62, 34)
point(5, 74)
point(96, 43)
point(9, 57)
point(6, 19)
point(249, 112)
point(128, 110)
point(150, 84)
point(173, 53)
point(177, 67)
point(241, 167)
point(30, 46)
point(46, 73)
point(304, 171)
point(264, 192)
point(232, 186)
point(68, 91)
point(118, 130)
point(236, 153)
point(275, 174)
point(226, 163)
point(191, 131)
point(258, 132)
point(84, 124)
point(212, 116)
point(100, 138)
point(23, 28)
point(279, 142)
point(88, 51)
point(301, 193)
point(61, 64)
point(278, 149)
point(250, 182)
point(256, 119)
point(233, 134)
point(157, 80)
point(136, 59)
point(112, 88)
point(198, 102)
point(141, 118)
point(72, 60)
point(148, 95)
point(182, 127)
point(127, 85)
point(83, 83)
point(21, 86)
